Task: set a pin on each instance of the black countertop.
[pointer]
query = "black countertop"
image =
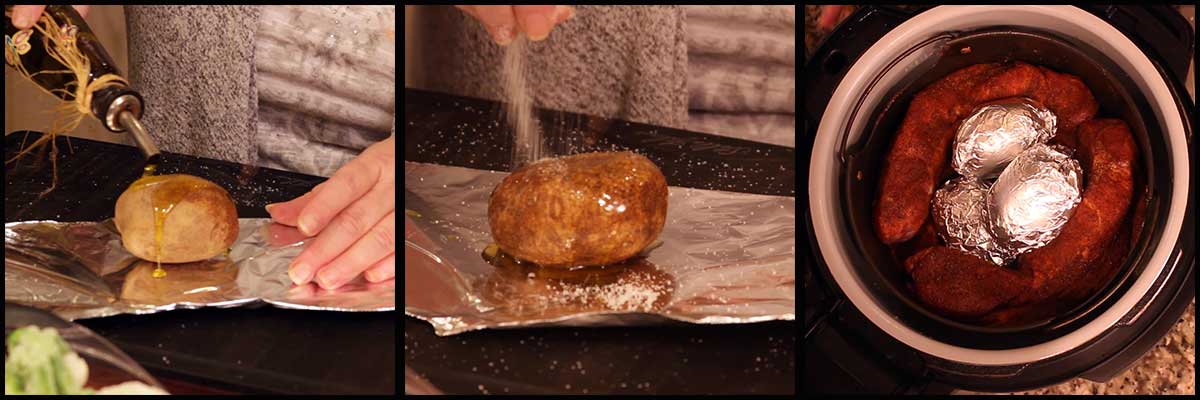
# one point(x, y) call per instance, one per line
point(678, 359)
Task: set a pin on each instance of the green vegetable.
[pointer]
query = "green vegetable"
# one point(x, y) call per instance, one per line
point(39, 361)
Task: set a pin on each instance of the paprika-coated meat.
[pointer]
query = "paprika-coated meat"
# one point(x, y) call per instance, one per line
point(959, 284)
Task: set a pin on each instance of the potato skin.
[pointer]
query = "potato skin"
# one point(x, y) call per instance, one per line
point(201, 225)
point(584, 209)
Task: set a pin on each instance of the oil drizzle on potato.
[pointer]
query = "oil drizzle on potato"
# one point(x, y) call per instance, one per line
point(166, 193)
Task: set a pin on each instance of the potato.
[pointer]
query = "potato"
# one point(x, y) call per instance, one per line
point(585, 209)
point(200, 220)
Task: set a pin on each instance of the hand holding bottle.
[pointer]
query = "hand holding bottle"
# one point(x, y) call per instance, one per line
point(23, 17)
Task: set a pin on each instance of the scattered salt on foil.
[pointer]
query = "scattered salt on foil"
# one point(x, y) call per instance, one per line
point(629, 293)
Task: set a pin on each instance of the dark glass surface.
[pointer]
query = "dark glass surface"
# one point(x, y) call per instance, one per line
point(467, 132)
point(249, 349)
point(673, 359)
point(677, 359)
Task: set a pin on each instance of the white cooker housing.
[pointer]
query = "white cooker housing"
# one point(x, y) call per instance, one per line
point(854, 95)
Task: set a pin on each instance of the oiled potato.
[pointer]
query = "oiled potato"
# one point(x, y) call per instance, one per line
point(585, 209)
point(200, 220)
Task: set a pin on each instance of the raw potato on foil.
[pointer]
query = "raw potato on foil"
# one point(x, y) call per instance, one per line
point(200, 220)
point(585, 209)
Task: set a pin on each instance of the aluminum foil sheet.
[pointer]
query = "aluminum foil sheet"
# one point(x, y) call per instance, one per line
point(996, 133)
point(722, 258)
point(960, 215)
point(81, 270)
point(1034, 197)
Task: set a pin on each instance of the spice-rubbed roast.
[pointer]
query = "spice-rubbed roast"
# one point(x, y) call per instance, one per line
point(960, 284)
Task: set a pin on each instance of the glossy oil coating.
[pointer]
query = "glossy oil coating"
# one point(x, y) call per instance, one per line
point(584, 209)
point(187, 217)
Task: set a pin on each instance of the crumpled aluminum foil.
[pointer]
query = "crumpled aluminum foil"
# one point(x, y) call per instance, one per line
point(81, 270)
point(1034, 197)
point(996, 133)
point(722, 258)
point(960, 215)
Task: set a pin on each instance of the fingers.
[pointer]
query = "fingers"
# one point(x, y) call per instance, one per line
point(504, 22)
point(536, 21)
point(379, 243)
point(374, 167)
point(23, 17)
point(347, 211)
point(383, 270)
point(348, 184)
point(350, 226)
point(563, 13)
point(498, 20)
point(288, 212)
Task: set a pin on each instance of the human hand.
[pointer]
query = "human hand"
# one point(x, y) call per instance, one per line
point(353, 216)
point(23, 17)
point(504, 22)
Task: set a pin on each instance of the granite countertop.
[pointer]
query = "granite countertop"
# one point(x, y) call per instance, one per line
point(1168, 368)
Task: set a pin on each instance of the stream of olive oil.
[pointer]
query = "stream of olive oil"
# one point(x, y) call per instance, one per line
point(165, 194)
point(159, 272)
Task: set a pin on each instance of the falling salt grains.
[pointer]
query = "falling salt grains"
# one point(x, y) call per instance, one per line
point(527, 143)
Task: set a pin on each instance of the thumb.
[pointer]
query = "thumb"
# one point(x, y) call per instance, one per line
point(23, 17)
